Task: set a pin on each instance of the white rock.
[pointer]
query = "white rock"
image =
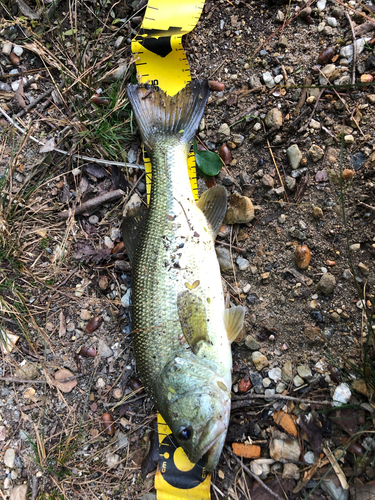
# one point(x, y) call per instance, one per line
point(9, 458)
point(257, 126)
point(279, 79)
point(266, 382)
point(332, 21)
point(108, 242)
point(309, 457)
point(294, 156)
point(314, 124)
point(280, 16)
point(298, 381)
point(275, 374)
point(16, 84)
point(347, 51)
point(246, 288)
point(341, 395)
point(268, 79)
point(18, 50)
point(349, 139)
point(7, 48)
point(321, 4)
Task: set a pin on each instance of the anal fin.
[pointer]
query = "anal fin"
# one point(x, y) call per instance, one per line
point(233, 320)
point(213, 204)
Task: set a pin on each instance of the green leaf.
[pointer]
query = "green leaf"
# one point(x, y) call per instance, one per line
point(69, 32)
point(209, 163)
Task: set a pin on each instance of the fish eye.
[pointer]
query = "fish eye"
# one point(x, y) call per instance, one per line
point(185, 434)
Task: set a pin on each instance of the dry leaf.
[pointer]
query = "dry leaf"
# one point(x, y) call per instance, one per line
point(65, 386)
point(7, 341)
point(19, 96)
point(48, 146)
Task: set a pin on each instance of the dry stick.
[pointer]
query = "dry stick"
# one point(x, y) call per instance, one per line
point(38, 381)
point(254, 476)
point(34, 103)
point(361, 204)
point(281, 396)
point(277, 170)
point(72, 155)
point(354, 48)
point(93, 203)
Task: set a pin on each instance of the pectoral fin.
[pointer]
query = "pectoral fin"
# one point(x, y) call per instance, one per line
point(134, 217)
point(233, 320)
point(193, 319)
point(213, 204)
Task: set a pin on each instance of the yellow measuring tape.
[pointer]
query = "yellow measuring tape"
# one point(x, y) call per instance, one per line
point(161, 61)
point(160, 57)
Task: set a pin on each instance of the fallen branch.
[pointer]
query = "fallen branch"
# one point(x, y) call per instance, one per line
point(241, 402)
point(93, 203)
point(34, 103)
point(254, 476)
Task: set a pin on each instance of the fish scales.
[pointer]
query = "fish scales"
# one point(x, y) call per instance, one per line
point(181, 329)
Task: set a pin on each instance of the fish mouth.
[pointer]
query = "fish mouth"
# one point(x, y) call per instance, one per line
point(213, 438)
point(214, 452)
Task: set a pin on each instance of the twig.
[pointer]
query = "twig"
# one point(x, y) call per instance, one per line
point(277, 396)
point(93, 203)
point(38, 381)
point(34, 103)
point(26, 11)
point(254, 476)
point(354, 48)
point(72, 155)
point(277, 170)
point(361, 204)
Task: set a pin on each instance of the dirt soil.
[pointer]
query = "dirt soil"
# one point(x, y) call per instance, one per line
point(65, 284)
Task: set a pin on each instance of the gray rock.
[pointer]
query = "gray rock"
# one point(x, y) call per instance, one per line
point(334, 489)
point(223, 256)
point(280, 388)
point(268, 181)
point(243, 264)
point(266, 382)
point(254, 82)
point(251, 343)
point(291, 471)
point(304, 372)
point(104, 350)
point(299, 173)
point(347, 51)
point(257, 381)
point(327, 284)
point(93, 219)
point(309, 457)
point(238, 139)
point(287, 372)
point(316, 153)
point(290, 183)
point(19, 492)
point(294, 156)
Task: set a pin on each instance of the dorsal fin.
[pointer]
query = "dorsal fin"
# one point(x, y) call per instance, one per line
point(233, 320)
point(213, 204)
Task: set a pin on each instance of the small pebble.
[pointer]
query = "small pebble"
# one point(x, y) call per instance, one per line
point(18, 50)
point(309, 457)
point(316, 153)
point(9, 458)
point(93, 219)
point(341, 395)
point(298, 381)
point(275, 374)
point(268, 79)
point(304, 372)
point(259, 360)
point(327, 284)
point(355, 247)
point(251, 343)
point(243, 264)
point(317, 213)
point(274, 118)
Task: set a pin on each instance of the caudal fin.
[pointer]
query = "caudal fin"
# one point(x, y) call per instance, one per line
point(158, 114)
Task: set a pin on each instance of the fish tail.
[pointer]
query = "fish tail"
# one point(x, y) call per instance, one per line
point(158, 114)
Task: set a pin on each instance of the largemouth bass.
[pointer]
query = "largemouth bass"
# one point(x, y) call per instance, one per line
point(182, 331)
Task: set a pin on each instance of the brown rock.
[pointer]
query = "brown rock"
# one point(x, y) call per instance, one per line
point(240, 210)
point(284, 448)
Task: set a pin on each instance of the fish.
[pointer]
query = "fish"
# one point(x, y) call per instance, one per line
point(182, 332)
